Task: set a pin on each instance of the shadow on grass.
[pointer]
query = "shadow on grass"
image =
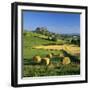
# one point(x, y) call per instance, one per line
point(55, 59)
point(29, 62)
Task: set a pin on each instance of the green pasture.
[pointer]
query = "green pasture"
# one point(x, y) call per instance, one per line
point(30, 69)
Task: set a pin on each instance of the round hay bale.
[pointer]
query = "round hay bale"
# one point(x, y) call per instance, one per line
point(37, 59)
point(45, 61)
point(49, 55)
point(61, 55)
point(66, 60)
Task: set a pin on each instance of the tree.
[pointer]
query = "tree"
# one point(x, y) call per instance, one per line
point(38, 29)
point(42, 30)
point(54, 38)
point(76, 41)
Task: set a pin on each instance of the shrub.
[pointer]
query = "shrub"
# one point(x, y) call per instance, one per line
point(49, 38)
point(37, 59)
point(66, 60)
point(45, 61)
point(54, 39)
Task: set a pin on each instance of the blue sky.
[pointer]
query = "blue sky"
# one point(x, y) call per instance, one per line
point(66, 23)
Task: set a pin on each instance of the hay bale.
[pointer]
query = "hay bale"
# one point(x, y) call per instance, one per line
point(61, 55)
point(37, 59)
point(49, 55)
point(66, 60)
point(45, 61)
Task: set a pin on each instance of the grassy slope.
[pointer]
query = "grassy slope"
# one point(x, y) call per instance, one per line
point(56, 68)
point(30, 41)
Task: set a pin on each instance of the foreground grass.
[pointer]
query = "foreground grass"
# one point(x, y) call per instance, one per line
point(55, 68)
point(51, 70)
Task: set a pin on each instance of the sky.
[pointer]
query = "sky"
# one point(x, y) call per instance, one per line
point(65, 23)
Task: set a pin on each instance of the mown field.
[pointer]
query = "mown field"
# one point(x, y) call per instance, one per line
point(38, 45)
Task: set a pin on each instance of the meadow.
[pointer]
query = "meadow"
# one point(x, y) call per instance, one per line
point(37, 44)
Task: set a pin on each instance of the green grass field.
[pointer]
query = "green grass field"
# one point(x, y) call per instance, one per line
point(55, 68)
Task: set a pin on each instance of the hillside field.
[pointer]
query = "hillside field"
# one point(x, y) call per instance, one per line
point(35, 44)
